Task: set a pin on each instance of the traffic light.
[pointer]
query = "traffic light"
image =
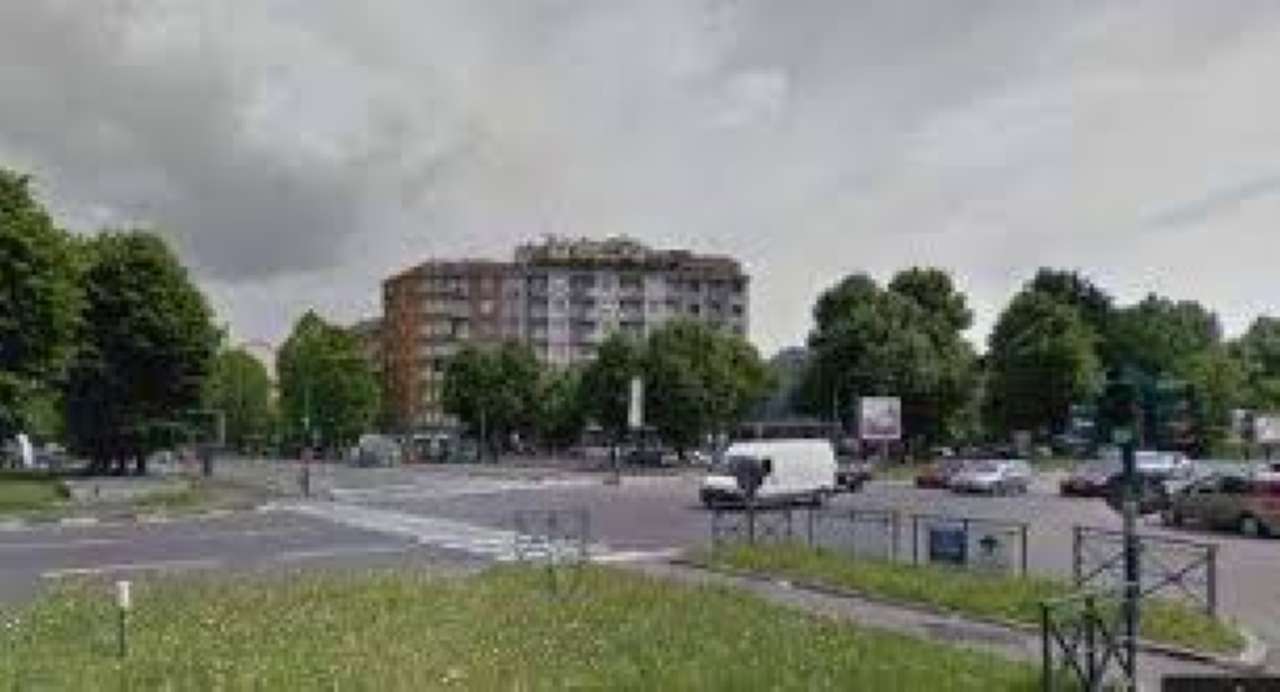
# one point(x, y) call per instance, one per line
point(1118, 410)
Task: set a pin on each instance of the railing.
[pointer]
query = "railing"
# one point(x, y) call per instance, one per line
point(969, 542)
point(1171, 567)
point(1084, 643)
point(870, 533)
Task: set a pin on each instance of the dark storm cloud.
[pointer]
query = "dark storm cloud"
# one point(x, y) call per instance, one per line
point(300, 150)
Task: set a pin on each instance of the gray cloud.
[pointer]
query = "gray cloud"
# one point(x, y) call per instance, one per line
point(299, 151)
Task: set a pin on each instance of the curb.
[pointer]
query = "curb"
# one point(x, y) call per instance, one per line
point(1252, 659)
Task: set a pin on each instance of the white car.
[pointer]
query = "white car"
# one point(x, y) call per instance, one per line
point(993, 476)
point(797, 471)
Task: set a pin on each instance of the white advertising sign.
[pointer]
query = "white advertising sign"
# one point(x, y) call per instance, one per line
point(880, 418)
point(1266, 429)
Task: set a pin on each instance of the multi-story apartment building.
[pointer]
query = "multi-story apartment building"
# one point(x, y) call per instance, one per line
point(562, 297)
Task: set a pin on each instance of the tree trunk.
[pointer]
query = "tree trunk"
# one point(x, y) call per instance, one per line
point(140, 464)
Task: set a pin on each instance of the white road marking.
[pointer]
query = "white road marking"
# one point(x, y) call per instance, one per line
point(496, 544)
point(165, 566)
point(342, 551)
point(441, 489)
point(61, 545)
point(638, 556)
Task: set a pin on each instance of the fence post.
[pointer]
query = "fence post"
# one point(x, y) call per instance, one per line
point(1211, 580)
point(1077, 544)
point(812, 511)
point(1024, 550)
point(893, 518)
point(751, 521)
point(1046, 649)
point(1090, 645)
point(915, 539)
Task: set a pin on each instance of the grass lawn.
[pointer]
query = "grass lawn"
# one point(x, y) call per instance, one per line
point(1005, 597)
point(25, 491)
point(502, 629)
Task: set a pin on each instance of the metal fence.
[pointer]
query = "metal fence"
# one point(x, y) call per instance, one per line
point(552, 536)
point(975, 543)
point(1171, 567)
point(1084, 643)
point(861, 533)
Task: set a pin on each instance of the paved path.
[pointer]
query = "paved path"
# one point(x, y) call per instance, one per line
point(1009, 643)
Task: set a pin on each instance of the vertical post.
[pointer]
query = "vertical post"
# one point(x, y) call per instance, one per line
point(123, 603)
point(1132, 568)
point(915, 540)
point(1211, 580)
point(1046, 649)
point(1077, 545)
point(812, 511)
point(895, 520)
point(751, 519)
point(1024, 550)
point(1090, 643)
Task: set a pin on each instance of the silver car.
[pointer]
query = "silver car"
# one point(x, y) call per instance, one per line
point(993, 477)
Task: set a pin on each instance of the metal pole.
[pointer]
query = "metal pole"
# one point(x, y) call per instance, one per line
point(915, 540)
point(1077, 544)
point(812, 511)
point(1090, 645)
point(1046, 649)
point(1024, 550)
point(1132, 568)
point(1211, 580)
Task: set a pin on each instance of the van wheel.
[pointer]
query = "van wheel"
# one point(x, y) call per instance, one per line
point(817, 500)
point(1249, 526)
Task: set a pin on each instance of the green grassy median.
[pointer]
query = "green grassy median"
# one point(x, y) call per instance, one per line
point(503, 629)
point(28, 491)
point(1004, 597)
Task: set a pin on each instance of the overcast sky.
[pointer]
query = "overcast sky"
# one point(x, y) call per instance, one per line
point(297, 151)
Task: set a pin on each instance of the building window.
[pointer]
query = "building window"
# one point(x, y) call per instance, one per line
point(737, 311)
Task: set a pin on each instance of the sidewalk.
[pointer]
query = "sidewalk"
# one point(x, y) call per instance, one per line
point(953, 630)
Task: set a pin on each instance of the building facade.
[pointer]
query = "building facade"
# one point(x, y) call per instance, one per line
point(561, 297)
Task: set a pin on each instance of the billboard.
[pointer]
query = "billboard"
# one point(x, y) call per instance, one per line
point(1266, 428)
point(880, 418)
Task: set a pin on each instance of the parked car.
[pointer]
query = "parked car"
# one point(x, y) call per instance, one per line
point(377, 450)
point(796, 471)
point(852, 474)
point(993, 476)
point(1091, 479)
point(939, 473)
point(1248, 504)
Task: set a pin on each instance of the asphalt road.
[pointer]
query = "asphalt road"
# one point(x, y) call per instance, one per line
point(464, 516)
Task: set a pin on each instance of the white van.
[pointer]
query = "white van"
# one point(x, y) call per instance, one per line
point(798, 470)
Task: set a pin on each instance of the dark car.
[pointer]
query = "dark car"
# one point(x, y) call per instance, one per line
point(851, 474)
point(1089, 480)
point(939, 473)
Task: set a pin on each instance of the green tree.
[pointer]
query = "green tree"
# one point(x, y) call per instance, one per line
point(606, 382)
point(39, 304)
point(1158, 335)
point(329, 395)
point(561, 413)
point(146, 343)
point(493, 391)
point(1073, 289)
point(903, 342)
point(933, 290)
point(240, 388)
point(1042, 358)
point(699, 381)
point(1258, 351)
